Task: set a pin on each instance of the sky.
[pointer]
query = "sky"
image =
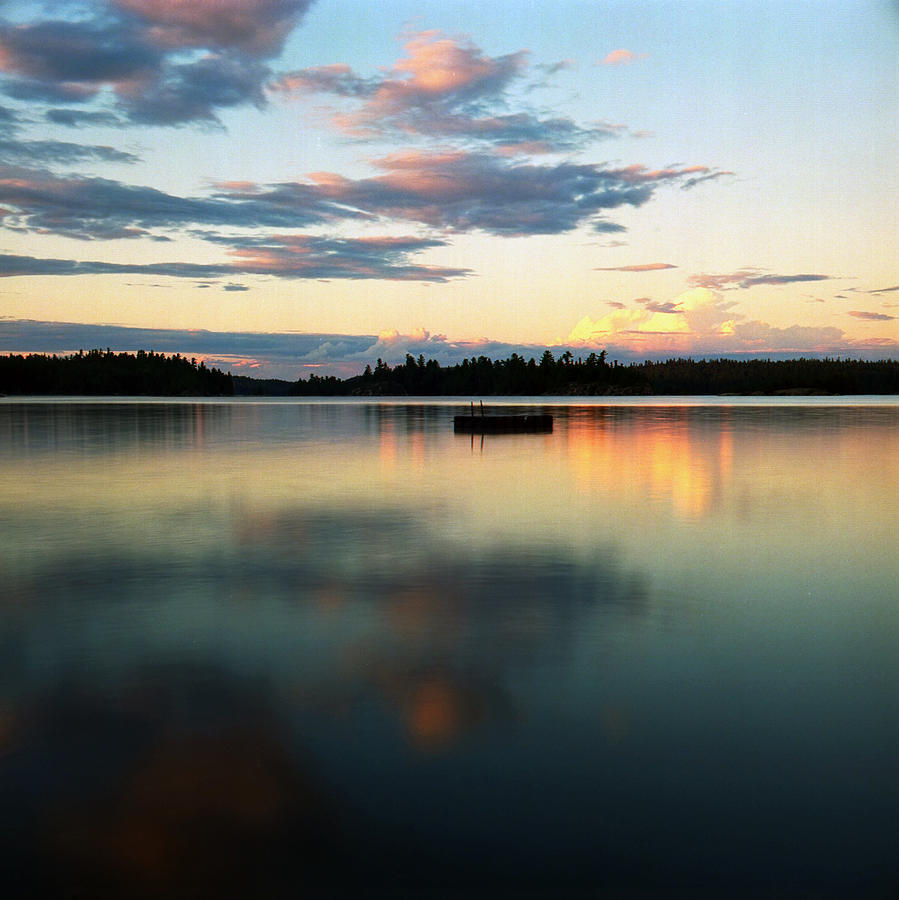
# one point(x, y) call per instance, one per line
point(281, 187)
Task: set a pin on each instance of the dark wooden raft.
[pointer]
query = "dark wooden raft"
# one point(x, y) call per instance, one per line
point(486, 424)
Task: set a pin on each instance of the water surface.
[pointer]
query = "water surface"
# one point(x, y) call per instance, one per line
point(287, 648)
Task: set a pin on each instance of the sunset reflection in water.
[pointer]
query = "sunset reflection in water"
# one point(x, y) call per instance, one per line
point(288, 648)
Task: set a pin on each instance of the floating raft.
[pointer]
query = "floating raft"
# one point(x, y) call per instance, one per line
point(482, 424)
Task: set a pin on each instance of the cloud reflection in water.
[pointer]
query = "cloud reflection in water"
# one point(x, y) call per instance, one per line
point(191, 727)
point(313, 649)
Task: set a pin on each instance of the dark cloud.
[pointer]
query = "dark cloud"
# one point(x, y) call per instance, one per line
point(77, 57)
point(16, 150)
point(74, 118)
point(45, 152)
point(311, 256)
point(746, 278)
point(234, 287)
point(451, 191)
point(887, 290)
point(11, 265)
point(24, 336)
point(285, 256)
point(90, 208)
point(872, 316)
point(780, 279)
point(460, 191)
point(603, 227)
point(134, 48)
point(195, 91)
point(668, 307)
point(699, 179)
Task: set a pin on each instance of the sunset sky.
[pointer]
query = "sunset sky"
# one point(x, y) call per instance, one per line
point(286, 186)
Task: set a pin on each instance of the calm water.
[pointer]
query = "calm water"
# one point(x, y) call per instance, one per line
point(290, 649)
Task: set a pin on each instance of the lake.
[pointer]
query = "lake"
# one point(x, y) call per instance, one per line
point(280, 648)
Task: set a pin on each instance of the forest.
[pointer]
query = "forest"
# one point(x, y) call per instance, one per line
point(146, 373)
point(105, 373)
point(595, 376)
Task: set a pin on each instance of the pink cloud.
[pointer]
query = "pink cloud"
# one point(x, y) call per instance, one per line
point(254, 26)
point(622, 58)
point(443, 87)
point(436, 70)
point(643, 267)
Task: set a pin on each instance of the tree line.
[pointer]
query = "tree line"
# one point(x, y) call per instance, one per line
point(99, 373)
point(594, 375)
point(147, 373)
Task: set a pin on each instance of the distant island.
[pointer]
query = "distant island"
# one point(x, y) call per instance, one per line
point(146, 373)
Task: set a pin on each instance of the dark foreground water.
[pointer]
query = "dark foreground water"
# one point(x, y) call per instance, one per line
point(279, 649)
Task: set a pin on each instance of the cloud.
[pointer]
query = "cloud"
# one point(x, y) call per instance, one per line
point(309, 256)
point(12, 265)
point(702, 322)
point(459, 191)
point(454, 192)
point(698, 321)
point(699, 179)
point(644, 267)
point(234, 287)
point(444, 88)
point(273, 355)
point(338, 79)
point(75, 118)
point(281, 256)
point(75, 60)
point(289, 355)
point(262, 355)
point(885, 290)
point(195, 91)
point(601, 226)
point(255, 27)
point(871, 316)
point(164, 62)
point(439, 73)
point(746, 278)
point(13, 151)
point(91, 208)
point(622, 58)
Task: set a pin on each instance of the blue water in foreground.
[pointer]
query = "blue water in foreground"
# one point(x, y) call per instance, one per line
point(287, 648)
